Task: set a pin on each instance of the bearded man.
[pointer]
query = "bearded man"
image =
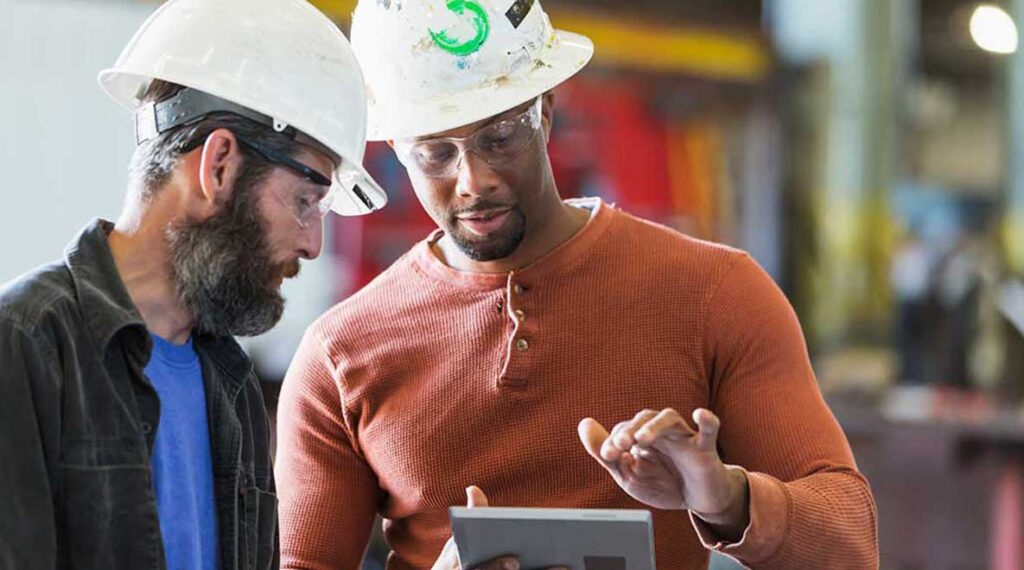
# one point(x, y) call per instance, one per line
point(133, 432)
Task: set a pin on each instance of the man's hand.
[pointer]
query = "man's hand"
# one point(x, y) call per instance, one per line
point(660, 461)
point(449, 559)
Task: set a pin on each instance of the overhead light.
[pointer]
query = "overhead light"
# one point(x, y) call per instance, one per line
point(993, 29)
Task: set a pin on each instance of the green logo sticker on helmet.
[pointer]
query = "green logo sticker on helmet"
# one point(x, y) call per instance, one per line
point(481, 23)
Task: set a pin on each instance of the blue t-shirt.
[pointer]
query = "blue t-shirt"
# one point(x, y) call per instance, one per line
point(182, 466)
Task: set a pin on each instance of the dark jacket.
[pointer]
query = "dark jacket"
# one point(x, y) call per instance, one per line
point(78, 420)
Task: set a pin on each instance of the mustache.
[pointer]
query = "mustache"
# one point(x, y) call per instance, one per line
point(483, 206)
point(291, 269)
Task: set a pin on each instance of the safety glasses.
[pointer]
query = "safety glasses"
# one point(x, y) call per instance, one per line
point(497, 144)
point(308, 205)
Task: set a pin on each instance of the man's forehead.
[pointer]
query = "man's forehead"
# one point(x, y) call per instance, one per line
point(322, 160)
point(311, 146)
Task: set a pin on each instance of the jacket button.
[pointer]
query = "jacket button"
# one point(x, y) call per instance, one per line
point(146, 427)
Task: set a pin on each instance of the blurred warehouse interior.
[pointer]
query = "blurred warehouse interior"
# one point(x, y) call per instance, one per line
point(868, 153)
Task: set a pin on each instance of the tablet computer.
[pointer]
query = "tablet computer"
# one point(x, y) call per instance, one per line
point(579, 539)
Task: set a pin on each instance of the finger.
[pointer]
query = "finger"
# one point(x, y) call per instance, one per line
point(503, 563)
point(626, 465)
point(644, 458)
point(475, 497)
point(652, 461)
point(609, 450)
point(708, 426)
point(594, 437)
point(666, 424)
point(623, 434)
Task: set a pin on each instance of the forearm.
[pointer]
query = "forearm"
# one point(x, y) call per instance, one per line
point(824, 520)
point(837, 508)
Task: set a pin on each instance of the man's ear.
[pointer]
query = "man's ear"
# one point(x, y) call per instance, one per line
point(219, 166)
point(547, 111)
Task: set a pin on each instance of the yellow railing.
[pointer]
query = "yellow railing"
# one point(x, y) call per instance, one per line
point(646, 46)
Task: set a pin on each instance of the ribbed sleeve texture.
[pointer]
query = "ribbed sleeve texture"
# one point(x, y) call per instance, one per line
point(430, 380)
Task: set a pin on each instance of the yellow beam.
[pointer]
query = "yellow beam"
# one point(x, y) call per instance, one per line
point(647, 46)
point(668, 49)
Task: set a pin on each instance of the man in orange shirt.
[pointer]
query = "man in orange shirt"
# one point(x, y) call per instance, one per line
point(472, 362)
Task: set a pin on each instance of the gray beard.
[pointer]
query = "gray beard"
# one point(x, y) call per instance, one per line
point(223, 270)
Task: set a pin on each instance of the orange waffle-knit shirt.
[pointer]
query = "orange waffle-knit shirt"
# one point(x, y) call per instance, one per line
point(430, 380)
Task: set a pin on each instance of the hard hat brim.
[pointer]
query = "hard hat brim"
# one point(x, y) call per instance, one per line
point(568, 54)
point(355, 187)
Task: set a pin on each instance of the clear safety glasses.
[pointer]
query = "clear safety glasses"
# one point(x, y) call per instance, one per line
point(308, 205)
point(497, 144)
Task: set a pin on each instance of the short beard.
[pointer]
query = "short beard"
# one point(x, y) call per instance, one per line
point(223, 270)
point(493, 247)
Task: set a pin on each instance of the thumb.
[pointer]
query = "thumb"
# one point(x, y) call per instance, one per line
point(592, 434)
point(708, 425)
point(475, 497)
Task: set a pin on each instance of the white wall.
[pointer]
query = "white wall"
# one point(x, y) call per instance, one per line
point(65, 146)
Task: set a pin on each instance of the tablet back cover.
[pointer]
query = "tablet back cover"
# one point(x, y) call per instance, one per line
point(580, 539)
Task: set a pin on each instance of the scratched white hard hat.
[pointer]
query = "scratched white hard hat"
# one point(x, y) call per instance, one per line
point(434, 65)
point(282, 59)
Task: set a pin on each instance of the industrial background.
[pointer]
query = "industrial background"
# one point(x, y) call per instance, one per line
point(868, 153)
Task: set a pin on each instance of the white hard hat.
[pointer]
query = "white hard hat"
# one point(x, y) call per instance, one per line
point(435, 65)
point(281, 58)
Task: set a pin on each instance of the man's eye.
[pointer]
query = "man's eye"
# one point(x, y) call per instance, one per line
point(504, 129)
point(435, 153)
point(305, 203)
point(496, 143)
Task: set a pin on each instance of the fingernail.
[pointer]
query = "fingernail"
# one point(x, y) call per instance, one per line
point(511, 564)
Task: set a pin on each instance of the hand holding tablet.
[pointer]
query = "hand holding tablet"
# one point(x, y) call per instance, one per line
point(655, 457)
point(574, 539)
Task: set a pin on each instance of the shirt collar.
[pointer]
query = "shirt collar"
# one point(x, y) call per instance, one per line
point(574, 250)
point(102, 296)
point(108, 309)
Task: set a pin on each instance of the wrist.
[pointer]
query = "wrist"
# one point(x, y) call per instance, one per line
point(731, 522)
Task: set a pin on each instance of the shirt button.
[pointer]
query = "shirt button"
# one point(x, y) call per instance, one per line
point(522, 345)
point(520, 314)
point(518, 289)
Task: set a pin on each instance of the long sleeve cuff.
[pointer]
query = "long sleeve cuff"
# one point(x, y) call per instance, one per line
point(769, 521)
